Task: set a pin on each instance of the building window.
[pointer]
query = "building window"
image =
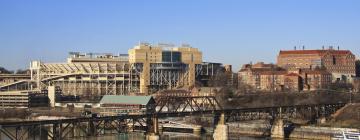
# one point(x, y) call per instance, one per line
point(169, 56)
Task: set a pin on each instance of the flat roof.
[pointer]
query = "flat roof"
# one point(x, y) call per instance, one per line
point(122, 99)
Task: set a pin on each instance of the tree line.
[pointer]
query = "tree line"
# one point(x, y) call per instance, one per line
point(6, 71)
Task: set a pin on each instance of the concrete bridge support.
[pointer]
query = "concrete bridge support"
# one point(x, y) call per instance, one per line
point(197, 130)
point(277, 129)
point(153, 129)
point(221, 129)
point(152, 137)
point(51, 95)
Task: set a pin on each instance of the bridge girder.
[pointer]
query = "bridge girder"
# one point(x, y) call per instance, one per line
point(178, 104)
point(94, 126)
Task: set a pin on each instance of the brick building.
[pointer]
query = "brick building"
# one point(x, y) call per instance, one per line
point(262, 76)
point(269, 77)
point(293, 81)
point(315, 79)
point(340, 63)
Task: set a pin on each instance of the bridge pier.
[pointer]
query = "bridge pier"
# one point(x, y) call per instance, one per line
point(221, 129)
point(197, 130)
point(51, 95)
point(277, 129)
point(153, 128)
point(152, 137)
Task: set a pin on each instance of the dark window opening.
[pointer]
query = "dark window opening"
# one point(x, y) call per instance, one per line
point(169, 56)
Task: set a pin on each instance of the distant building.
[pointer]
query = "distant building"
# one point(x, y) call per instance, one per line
point(111, 104)
point(146, 69)
point(340, 63)
point(23, 99)
point(231, 76)
point(14, 99)
point(270, 77)
point(261, 76)
point(11, 78)
point(209, 70)
point(272, 80)
point(84, 75)
point(164, 66)
point(314, 79)
point(293, 82)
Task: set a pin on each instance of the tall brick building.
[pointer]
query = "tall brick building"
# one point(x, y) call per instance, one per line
point(340, 63)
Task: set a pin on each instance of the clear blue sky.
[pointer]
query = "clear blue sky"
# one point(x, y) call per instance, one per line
point(232, 32)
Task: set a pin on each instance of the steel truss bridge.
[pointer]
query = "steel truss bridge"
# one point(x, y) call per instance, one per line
point(166, 106)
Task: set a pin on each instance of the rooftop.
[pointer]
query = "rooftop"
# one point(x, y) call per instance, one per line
point(121, 99)
point(320, 52)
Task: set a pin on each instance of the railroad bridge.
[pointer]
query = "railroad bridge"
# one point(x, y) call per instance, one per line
point(166, 106)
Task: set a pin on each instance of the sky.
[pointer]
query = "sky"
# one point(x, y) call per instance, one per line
point(226, 31)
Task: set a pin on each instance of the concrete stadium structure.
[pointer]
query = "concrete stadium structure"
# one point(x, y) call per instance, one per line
point(145, 69)
point(165, 66)
point(92, 74)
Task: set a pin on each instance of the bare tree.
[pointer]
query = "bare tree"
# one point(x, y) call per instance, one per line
point(243, 88)
point(341, 86)
point(5, 71)
point(20, 71)
point(357, 66)
point(356, 85)
point(220, 79)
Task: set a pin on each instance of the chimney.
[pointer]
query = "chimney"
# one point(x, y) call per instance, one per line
point(323, 47)
point(338, 47)
point(303, 47)
point(294, 47)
